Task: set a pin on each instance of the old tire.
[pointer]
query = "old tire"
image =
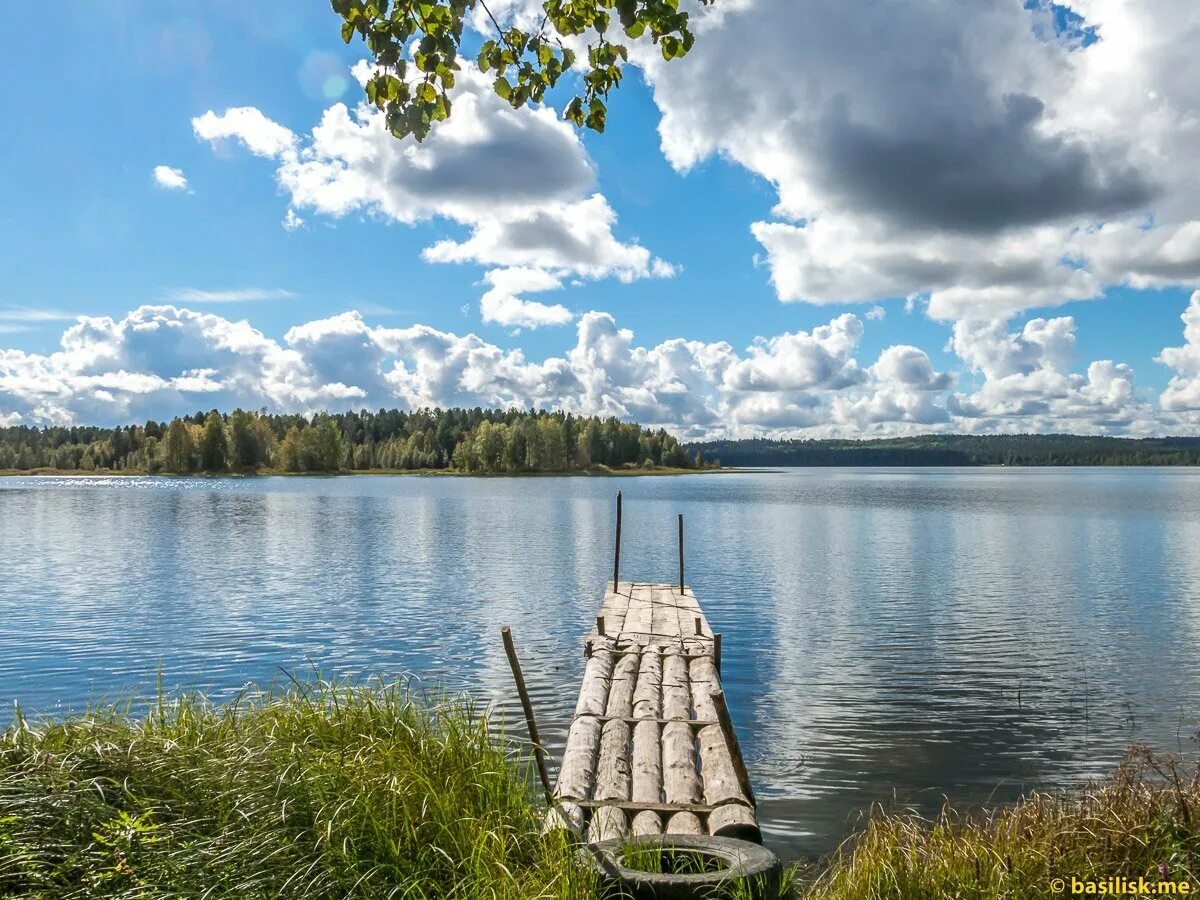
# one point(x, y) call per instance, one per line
point(732, 861)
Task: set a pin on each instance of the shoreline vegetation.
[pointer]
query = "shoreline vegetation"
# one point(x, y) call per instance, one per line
point(957, 450)
point(449, 441)
point(330, 789)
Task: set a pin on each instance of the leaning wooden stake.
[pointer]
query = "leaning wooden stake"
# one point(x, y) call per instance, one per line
point(538, 753)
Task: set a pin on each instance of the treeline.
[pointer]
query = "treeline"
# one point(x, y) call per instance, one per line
point(960, 450)
point(468, 440)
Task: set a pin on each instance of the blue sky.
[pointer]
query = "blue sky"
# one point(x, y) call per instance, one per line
point(88, 231)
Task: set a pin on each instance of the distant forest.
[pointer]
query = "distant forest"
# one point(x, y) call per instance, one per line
point(959, 450)
point(475, 441)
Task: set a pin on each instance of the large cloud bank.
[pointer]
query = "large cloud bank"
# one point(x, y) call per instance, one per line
point(158, 361)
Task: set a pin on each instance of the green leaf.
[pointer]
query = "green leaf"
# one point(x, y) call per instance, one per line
point(503, 88)
point(347, 32)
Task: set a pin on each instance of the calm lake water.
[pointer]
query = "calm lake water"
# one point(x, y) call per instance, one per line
point(890, 635)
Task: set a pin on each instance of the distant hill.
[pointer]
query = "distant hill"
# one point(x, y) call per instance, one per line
point(958, 450)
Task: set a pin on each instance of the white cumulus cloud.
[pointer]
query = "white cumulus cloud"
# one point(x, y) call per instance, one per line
point(170, 178)
point(519, 180)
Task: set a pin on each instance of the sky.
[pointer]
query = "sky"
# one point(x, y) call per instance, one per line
point(829, 219)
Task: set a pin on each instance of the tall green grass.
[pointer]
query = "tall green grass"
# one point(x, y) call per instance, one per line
point(1143, 821)
point(319, 790)
point(327, 790)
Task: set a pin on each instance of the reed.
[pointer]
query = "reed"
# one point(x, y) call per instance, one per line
point(313, 790)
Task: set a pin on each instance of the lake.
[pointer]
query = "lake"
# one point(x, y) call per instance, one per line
point(890, 635)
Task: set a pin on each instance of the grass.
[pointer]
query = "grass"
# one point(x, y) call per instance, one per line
point(1140, 822)
point(330, 790)
point(315, 791)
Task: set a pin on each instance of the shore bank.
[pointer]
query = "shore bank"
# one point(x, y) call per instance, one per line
point(596, 472)
point(321, 790)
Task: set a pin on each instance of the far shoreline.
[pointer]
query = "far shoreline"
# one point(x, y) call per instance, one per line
point(600, 472)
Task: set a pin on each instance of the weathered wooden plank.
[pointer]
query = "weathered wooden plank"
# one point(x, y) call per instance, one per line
point(664, 618)
point(639, 619)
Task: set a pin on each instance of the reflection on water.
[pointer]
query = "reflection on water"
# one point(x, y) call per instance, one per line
point(891, 636)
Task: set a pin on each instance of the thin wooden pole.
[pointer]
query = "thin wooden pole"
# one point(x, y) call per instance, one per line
point(617, 555)
point(681, 553)
point(539, 754)
point(717, 651)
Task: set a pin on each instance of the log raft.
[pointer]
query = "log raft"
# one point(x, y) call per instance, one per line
point(651, 749)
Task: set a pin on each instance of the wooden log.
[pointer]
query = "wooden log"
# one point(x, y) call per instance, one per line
point(613, 770)
point(647, 822)
point(676, 690)
point(647, 779)
point(722, 782)
point(624, 683)
point(613, 774)
point(576, 775)
point(722, 711)
point(593, 692)
point(681, 781)
point(684, 823)
point(736, 821)
point(565, 816)
point(608, 823)
point(647, 696)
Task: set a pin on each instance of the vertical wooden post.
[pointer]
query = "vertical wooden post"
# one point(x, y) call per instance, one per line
point(681, 554)
point(600, 625)
point(717, 651)
point(617, 555)
point(539, 754)
point(698, 626)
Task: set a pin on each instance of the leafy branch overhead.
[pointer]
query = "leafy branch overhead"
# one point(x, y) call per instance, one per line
point(417, 48)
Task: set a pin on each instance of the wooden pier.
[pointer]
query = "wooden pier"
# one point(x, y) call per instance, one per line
point(651, 749)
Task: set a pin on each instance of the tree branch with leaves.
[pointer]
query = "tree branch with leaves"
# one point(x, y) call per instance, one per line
point(417, 46)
